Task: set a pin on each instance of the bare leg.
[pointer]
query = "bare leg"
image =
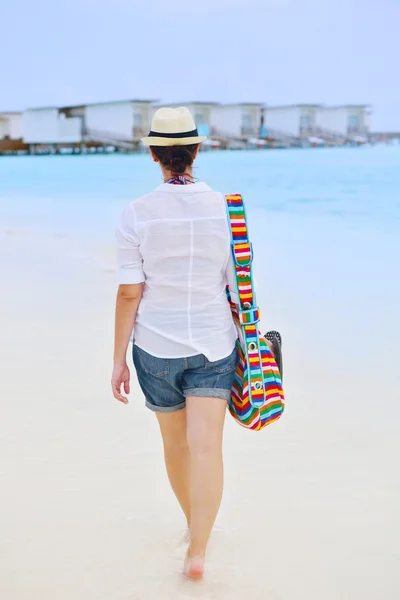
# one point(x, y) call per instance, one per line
point(205, 423)
point(177, 456)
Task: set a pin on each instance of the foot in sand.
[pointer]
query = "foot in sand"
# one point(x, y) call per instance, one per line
point(194, 567)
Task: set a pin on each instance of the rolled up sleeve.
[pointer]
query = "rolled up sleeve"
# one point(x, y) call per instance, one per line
point(129, 258)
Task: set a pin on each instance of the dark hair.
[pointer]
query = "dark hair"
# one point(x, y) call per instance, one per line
point(175, 158)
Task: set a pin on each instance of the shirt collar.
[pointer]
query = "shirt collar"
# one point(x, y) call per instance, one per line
point(184, 189)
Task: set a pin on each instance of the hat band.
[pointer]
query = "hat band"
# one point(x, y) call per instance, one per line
point(185, 134)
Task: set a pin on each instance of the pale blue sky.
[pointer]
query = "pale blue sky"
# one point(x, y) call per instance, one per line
point(58, 52)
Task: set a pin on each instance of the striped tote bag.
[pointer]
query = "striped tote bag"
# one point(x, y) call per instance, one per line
point(257, 397)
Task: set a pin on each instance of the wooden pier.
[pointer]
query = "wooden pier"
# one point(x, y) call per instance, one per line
point(8, 146)
point(95, 142)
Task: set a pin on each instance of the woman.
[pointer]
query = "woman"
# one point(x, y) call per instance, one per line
point(174, 263)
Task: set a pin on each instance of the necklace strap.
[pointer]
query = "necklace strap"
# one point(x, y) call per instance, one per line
point(180, 180)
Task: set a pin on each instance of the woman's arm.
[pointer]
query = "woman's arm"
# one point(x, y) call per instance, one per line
point(130, 279)
point(128, 300)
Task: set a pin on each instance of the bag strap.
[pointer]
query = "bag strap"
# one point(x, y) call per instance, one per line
point(248, 314)
point(242, 252)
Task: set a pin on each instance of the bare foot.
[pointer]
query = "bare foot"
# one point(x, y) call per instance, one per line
point(194, 567)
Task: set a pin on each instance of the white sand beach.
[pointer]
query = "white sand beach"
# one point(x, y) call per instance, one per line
point(311, 505)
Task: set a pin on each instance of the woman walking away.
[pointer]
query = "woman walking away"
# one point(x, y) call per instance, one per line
point(174, 262)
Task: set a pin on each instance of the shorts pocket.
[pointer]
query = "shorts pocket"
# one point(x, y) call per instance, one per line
point(158, 367)
point(224, 365)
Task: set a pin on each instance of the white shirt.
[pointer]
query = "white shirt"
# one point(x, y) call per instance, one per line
point(177, 241)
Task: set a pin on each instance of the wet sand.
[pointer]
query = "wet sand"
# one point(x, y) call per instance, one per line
point(311, 507)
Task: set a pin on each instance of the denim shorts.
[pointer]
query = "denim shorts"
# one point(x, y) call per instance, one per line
point(167, 382)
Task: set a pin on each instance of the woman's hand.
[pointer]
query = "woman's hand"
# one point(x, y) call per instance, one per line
point(121, 376)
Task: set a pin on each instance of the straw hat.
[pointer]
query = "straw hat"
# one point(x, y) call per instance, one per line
point(173, 127)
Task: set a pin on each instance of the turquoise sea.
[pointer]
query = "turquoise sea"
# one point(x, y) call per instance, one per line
point(325, 226)
point(357, 188)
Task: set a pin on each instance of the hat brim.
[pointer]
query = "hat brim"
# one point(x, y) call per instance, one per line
point(160, 141)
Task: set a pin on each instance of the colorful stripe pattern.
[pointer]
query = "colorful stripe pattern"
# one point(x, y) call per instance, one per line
point(257, 396)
